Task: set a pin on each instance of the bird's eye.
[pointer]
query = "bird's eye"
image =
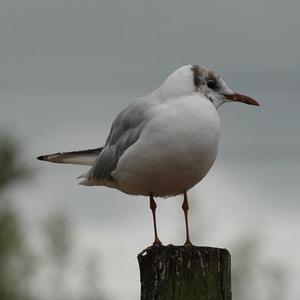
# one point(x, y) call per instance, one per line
point(212, 84)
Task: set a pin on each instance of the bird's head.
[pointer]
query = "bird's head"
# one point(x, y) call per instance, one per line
point(213, 87)
point(196, 78)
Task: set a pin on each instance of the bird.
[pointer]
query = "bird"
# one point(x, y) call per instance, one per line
point(163, 144)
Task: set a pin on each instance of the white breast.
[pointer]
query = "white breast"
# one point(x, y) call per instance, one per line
point(175, 150)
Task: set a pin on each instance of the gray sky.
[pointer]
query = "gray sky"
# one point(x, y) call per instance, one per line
point(125, 36)
point(68, 67)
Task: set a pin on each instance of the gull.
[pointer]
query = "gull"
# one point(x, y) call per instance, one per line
point(163, 144)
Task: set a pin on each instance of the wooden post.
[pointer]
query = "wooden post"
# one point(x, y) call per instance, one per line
point(185, 273)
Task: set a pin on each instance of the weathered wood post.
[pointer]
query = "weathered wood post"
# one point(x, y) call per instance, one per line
point(185, 273)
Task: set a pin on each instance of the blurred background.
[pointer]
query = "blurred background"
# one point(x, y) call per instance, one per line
point(68, 67)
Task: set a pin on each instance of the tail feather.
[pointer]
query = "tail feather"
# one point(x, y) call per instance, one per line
point(83, 157)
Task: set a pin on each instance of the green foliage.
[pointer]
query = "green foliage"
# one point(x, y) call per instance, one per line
point(58, 235)
point(11, 240)
point(16, 262)
point(10, 167)
point(19, 267)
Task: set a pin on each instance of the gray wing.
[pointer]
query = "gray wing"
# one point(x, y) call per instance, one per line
point(125, 131)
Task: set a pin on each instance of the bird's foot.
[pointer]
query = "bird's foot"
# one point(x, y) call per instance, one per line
point(188, 243)
point(157, 243)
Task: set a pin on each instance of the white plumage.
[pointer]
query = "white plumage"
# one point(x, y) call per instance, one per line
point(175, 150)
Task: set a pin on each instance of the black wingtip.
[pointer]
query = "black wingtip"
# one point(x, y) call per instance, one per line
point(42, 157)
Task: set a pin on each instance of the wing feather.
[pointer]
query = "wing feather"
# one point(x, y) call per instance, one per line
point(125, 131)
point(83, 157)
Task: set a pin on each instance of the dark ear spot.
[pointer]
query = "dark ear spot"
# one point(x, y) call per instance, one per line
point(196, 76)
point(211, 75)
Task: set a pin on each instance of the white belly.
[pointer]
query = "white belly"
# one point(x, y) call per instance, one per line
point(174, 152)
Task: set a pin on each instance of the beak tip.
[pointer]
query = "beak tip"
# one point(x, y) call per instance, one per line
point(243, 99)
point(256, 103)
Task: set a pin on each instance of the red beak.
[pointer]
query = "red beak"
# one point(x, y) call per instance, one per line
point(242, 98)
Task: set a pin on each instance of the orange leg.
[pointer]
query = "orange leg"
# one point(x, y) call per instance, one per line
point(185, 207)
point(153, 206)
